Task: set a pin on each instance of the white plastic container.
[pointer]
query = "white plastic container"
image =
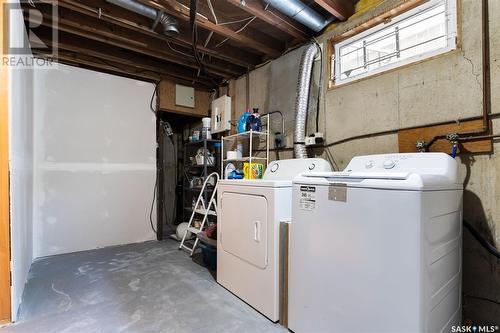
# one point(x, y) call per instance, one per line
point(206, 122)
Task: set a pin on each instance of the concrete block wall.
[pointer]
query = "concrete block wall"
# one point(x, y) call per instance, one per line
point(446, 88)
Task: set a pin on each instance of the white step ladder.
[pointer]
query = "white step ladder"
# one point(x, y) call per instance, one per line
point(205, 210)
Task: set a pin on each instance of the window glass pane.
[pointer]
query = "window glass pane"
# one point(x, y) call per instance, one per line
point(423, 33)
point(404, 39)
point(381, 48)
point(352, 60)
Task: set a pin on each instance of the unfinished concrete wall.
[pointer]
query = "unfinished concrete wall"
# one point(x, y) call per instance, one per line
point(446, 88)
point(273, 87)
point(94, 160)
point(21, 167)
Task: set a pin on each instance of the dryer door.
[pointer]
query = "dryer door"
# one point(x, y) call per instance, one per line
point(243, 224)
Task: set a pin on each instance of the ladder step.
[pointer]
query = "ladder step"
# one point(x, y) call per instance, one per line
point(204, 211)
point(186, 248)
point(194, 230)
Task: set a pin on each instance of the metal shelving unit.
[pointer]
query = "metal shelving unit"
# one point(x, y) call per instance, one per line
point(197, 170)
point(246, 138)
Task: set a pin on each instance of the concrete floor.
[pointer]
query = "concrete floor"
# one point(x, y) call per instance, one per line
point(145, 287)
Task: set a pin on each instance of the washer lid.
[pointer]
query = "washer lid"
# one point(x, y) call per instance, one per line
point(415, 171)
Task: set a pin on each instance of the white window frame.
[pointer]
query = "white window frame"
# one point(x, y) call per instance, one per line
point(451, 14)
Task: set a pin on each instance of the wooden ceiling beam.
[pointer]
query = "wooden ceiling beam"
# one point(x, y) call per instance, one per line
point(77, 60)
point(92, 63)
point(274, 18)
point(341, 9)
point(107, 53)
point(224, 53)
point(72, 24)
point(175, 8)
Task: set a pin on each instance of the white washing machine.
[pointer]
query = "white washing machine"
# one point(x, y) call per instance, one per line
point(377, 247)
point(249, 215)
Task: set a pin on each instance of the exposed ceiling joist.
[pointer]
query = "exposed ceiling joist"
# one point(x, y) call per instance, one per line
point(73, 59)
point(112, 36)
point(106, 53)
point(108, 66)
point(276, 19)
point(233, 37)
point(180, 11)
point(341, 9)
point(231, 55)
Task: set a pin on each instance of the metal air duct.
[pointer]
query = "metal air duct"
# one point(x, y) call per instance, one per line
point(302, 100)
point(301, 13)
point(170, 24)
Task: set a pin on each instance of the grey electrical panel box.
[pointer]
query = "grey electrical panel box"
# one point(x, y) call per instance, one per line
point(184, 96)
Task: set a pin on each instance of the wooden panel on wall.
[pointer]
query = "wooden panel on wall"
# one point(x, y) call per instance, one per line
point(4, 188)
point(408, 138)
point(166, 101)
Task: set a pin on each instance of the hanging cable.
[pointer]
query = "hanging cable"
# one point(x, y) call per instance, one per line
point(152, 205)
point(177, 51)
point(193, 10)
point(208, 38)
point(238, 31)
point(212, 11)
point(320, 84)
point(153, 109)
point(484, 243)
point(237, 21)
point(216, 20)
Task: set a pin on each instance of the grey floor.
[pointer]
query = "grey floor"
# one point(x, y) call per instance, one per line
point(146, 287)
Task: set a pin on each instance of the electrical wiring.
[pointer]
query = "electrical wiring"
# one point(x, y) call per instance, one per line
point(156, 177)
point(212, 11)
point(320, 84)
point(486, 299)
point(237, 31)
point(193, 9)
point(237, 21)
point(208, 38)
point(152, 205)
point(153, 109)
point(249, 19)
point(484, 243)
point(177, 51)
point(170, 177)
point(331, 159)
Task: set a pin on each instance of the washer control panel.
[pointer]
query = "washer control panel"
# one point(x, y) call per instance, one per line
point(408, 162)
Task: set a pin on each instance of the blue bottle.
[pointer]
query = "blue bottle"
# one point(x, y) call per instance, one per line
point(242, 122)
point(253, 121)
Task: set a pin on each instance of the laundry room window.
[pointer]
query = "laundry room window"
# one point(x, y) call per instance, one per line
point(422, 32)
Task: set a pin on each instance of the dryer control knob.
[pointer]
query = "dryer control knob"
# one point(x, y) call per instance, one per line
point(389, 164)
point(369, 164)
point(275, 167)
point(312, 166)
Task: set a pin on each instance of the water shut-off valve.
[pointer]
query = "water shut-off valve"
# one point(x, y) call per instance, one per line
point(453, 138)
point(421, 146)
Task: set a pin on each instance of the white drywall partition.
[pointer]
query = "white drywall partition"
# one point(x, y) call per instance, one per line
point(21, 166)
point(94, 161)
